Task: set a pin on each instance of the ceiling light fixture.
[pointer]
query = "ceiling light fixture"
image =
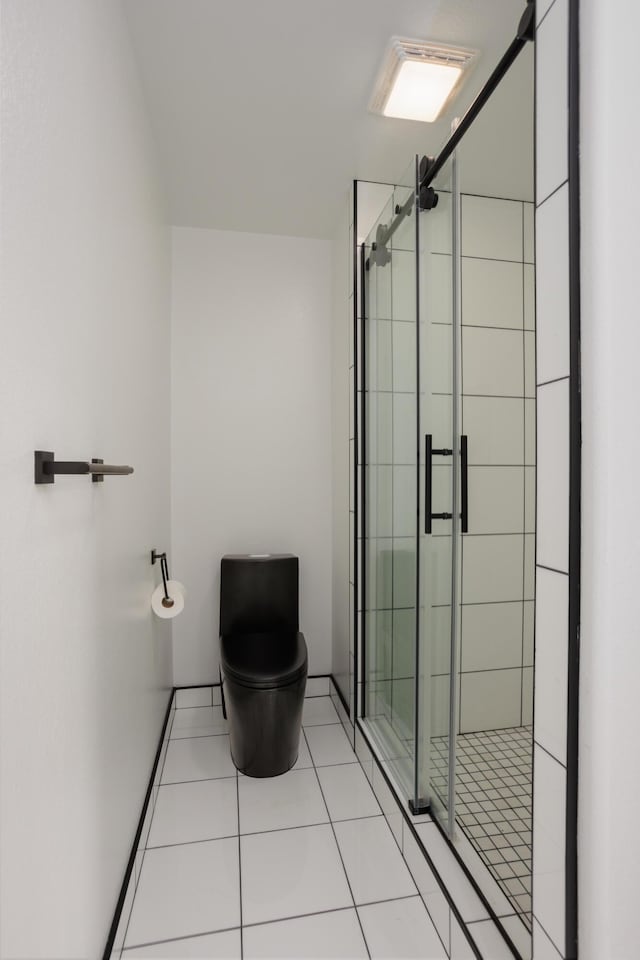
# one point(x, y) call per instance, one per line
point(418, 79)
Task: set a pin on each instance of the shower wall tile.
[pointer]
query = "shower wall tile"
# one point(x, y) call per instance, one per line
point(404, 572)
point(403, 286)
point(530, 432)
point(435, 347)
point(530, 499)
point(404, 428)
point(491, 636)
point(492, 362)
point(490, 700)
point(543, 948)
point(494, 426)
point(529, 297)
point(551, 100)
point(553, 475)
point(379, 429)
point(404, 357)
point(492, 228)
point(528, 631)
point(552, 617)
point(527, 696)
point(552, 226)
point(404, 643)
point(492, 568)
point(496, 499)
point(549, 802)
point(528, 212)
point(492, 293)
point(529, 566)
point(437, 640)
point(436, 288)
point(405, 495)
point(529, 364)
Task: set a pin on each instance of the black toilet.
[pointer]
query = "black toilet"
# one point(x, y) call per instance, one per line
point(263, 661)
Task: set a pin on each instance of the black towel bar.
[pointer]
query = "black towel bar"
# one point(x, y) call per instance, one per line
point(46, 468)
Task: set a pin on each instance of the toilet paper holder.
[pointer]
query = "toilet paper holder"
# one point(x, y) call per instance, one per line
point(164, 569)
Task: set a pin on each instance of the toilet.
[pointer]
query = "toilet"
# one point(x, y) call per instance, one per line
point(263, 661)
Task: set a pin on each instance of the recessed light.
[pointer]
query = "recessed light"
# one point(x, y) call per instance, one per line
point(417, 79)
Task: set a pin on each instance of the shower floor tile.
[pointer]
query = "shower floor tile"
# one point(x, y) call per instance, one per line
point(295, 865)
point(493, 806)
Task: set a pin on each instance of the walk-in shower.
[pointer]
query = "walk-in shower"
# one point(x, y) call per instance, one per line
point(446, 484)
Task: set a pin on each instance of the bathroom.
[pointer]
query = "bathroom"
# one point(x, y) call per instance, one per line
point(221, 267)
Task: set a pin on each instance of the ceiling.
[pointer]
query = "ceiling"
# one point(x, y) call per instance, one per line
point(259, 109)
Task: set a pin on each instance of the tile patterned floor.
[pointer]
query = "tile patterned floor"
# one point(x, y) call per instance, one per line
point(298, 866)
point(494, 791)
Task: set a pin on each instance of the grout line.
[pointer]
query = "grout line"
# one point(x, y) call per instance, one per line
point(239, 863)
point(187, 936)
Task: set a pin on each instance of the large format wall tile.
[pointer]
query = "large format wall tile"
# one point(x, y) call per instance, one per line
point(491, 228)
point(553, 287)
point(553, 475)
point(492, 293)
point(551, 101)
point(492, 362)
point(552, 617)
point(490, 700)
point(549, 803)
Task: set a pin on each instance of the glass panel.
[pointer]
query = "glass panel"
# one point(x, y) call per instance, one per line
point(438, 421)
point(495, 669)
point(391, 472)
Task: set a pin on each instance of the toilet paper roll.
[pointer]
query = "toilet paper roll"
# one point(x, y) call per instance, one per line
point(176, 593)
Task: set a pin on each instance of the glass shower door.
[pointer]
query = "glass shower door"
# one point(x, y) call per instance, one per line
point(439, 507)
point(391, 482)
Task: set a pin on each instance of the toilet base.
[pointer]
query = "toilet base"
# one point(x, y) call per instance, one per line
point(264, 726)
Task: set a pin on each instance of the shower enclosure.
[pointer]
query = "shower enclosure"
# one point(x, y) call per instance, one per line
point(446, 552)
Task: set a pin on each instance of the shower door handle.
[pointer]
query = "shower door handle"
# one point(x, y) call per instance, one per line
point(428, 477)
point(428, 482)
point(464, 485)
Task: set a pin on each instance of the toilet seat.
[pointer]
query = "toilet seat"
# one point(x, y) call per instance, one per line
point(264, 660)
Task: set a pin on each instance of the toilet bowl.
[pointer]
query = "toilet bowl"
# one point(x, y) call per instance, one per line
point(263, 661)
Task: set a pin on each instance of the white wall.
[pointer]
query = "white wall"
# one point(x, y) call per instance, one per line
point(609, 837)
point(84, 371)
point(251, 426)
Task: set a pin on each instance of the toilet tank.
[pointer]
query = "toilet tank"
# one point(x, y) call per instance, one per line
point(258, 593)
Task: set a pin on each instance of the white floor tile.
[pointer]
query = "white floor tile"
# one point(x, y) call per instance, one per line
point(198, 758)
point(200, 810)
point(373, 861)
point(400, 928)
point(214, 946)
point(185, 890)
point(325, 936)
point(290, 873)
point(318, 710)
point(194, 697)
point(347, 792)
point(329, 745)
point(489, 940)
point(273, 803)
point(318, 687)
point(198, 722)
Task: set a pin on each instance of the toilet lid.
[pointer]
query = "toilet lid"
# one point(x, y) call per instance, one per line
point(264, 660)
